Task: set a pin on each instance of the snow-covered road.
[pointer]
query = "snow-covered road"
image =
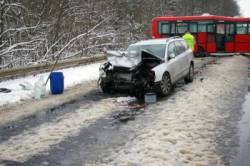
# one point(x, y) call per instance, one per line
point(196, 125)
point(193, 126)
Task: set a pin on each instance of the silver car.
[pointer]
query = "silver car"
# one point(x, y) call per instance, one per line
point(146, 66)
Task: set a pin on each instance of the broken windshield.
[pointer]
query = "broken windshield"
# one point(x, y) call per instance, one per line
point(156, 49)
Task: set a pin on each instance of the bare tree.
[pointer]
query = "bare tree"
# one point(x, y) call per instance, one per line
point(37, 31)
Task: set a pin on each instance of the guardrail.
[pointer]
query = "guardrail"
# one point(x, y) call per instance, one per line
point(36, 69)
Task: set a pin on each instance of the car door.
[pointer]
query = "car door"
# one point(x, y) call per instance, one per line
point(172, 63)
point(181, 58)
point(187, 57)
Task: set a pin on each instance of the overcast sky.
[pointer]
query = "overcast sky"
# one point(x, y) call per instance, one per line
point(244, 7)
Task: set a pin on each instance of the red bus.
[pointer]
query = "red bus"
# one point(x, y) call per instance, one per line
point(213, 34)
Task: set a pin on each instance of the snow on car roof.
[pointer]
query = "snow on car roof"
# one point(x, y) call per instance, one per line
point(154, 41)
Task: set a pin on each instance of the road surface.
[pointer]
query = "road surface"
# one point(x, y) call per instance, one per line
point(196, 125)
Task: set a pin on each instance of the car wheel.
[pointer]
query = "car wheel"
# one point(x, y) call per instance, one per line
point(165, 85)
point(190, 77)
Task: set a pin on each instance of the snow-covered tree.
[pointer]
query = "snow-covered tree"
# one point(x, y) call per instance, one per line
point(33, 31)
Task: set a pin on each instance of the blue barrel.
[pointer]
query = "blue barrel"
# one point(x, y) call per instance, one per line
point(56, 83)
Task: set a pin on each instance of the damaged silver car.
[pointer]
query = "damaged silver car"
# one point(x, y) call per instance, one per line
point(150, 65)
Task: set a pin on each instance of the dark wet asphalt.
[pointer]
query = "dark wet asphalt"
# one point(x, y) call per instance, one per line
point(92, 145)
point(243, 155)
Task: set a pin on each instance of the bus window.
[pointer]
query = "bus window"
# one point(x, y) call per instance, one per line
point(193, 28)
point(164, 28)
point(248, 28)
point(173, 28)
point(220, 29)
point(241, 28)
point(202, 26)
point(181, 28)
point(230, 30)
point(211, 28)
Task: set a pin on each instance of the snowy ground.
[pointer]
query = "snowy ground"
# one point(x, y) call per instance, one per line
point(72, 77)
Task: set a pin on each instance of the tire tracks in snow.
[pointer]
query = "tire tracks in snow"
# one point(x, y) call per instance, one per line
point(46, 116)
point(41, 138)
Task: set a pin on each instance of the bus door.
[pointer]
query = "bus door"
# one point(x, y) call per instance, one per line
point(206, 37)
point(230, 38)
point(220, 37)
point(211, 37)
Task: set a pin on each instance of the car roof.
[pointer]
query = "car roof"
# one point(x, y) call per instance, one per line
point(155, 41)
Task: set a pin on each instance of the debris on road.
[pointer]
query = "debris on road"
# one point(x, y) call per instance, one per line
point(5, 90)
point(39, 90)
point(130, 108)
point(26, 85)
point(150, 98)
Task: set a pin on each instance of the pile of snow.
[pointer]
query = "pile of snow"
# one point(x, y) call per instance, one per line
point(72, 76)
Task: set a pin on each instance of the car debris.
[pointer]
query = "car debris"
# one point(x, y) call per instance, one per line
point(150, 98)
point(26, 86)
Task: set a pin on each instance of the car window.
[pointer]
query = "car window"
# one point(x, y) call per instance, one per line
point(180, 48)
point(184, 45)
point(171, 49)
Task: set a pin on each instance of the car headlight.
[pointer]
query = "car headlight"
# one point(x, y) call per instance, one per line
point(102, 73)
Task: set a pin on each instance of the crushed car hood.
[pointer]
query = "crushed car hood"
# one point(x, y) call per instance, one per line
point(122, 59)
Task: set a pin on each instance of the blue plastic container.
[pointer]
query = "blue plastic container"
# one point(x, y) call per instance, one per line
point(150, 98)
point(56, 83)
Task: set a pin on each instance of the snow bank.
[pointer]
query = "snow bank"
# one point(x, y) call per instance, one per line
point(72, 76)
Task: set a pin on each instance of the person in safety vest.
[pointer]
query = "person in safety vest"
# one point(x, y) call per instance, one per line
point(190, 40)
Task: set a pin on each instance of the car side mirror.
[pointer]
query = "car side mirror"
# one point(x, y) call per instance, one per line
point(172, 56)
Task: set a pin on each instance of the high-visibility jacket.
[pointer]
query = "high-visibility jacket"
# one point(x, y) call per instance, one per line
point(190, 40)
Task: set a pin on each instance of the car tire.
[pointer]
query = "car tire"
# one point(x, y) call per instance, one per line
point(165, 85)
point(190, 76)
